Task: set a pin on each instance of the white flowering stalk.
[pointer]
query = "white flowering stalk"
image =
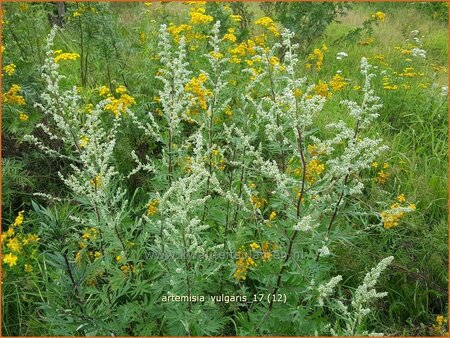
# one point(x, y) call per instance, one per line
point(173, 97)
point(353, 315)
point(327, 289)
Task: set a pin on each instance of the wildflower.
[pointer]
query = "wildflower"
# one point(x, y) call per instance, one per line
point(10, 259)
point(229, 37)
point(338, 82)
point(14, 245)
point(28, 268)
point(401, 198)
point(236, 18)
point(322, 89)
point(66, 56)
point(379, 16)
point(30, 239)
point(200, 93)
point(317, 56)
point(366, 42)
point(254, 246)
point(341, 55)
point(78, 258)
point(10, 69)
point(96, 181)
point(84, 141)
point(121, 89)
point(23, 117)
point(152, 207)
point(118, 259)
point(269, 24)
point(19, 219)
point(24, 7)
point(198, 16)
point(103, 91)
point(274, 61)
point(216, 55)
point(382, 177)
point(374, 165)
point(12, 97)
point(272, 216)
point(258, 202)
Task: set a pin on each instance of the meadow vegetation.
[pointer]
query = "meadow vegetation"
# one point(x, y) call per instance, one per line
point(207, 168)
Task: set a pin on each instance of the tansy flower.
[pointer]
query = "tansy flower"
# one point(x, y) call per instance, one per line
point(379, 16)
point(67, 56)
point(10, 69)
point(272, 216)
point(254, 246)
point(152, 207)
point(23, 117)
point(28, 268)
point(19, 219)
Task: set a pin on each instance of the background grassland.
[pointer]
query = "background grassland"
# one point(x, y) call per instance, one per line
point(413, 123)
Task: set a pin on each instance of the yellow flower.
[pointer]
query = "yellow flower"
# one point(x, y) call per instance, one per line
point(12, 97)
point(269, 24)
point(121, 89)
point(314, 169)
point(66, 56)
point(254, 246)
point(28, 268)
point(198, 16)
point(322, 89)
point(338, 83)
point(103, 91)
point(118, 259)
point(229, 37)
point(84, 141)
point(14, 245)
point(23, 117)
point(30, 239)
point(216, 55)
point(272, 216)
point(152, 207)
point(379, 16)
point(236, 18)
point(10, 259)
point(19, 219)
point(10, 69)
point(401, 198)
point(96, 181)
point(382, 177)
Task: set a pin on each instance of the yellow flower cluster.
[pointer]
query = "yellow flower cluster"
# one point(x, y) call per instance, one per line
point(387, 85)
point(82, 10)
point(120, 104)
point(269, 24)
point(12, 97)
point(316, 58)
point(200, 93)
point(65, 56)
point(229, 36)
point(379, 16)
point(391, 217)
point(366, 42)
point(439, 327)
point(10, 69)
point(382, 176)
point(198, 16)
point(243, 263)
point(218, 160)
point(236, 18)
point(16, 240)
point(152, 207)
point(338, 82)
point(258, 202)
point(314, 169)
point(84, 141)
point(23, 117)
point(322, 89)
point(96, 182)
